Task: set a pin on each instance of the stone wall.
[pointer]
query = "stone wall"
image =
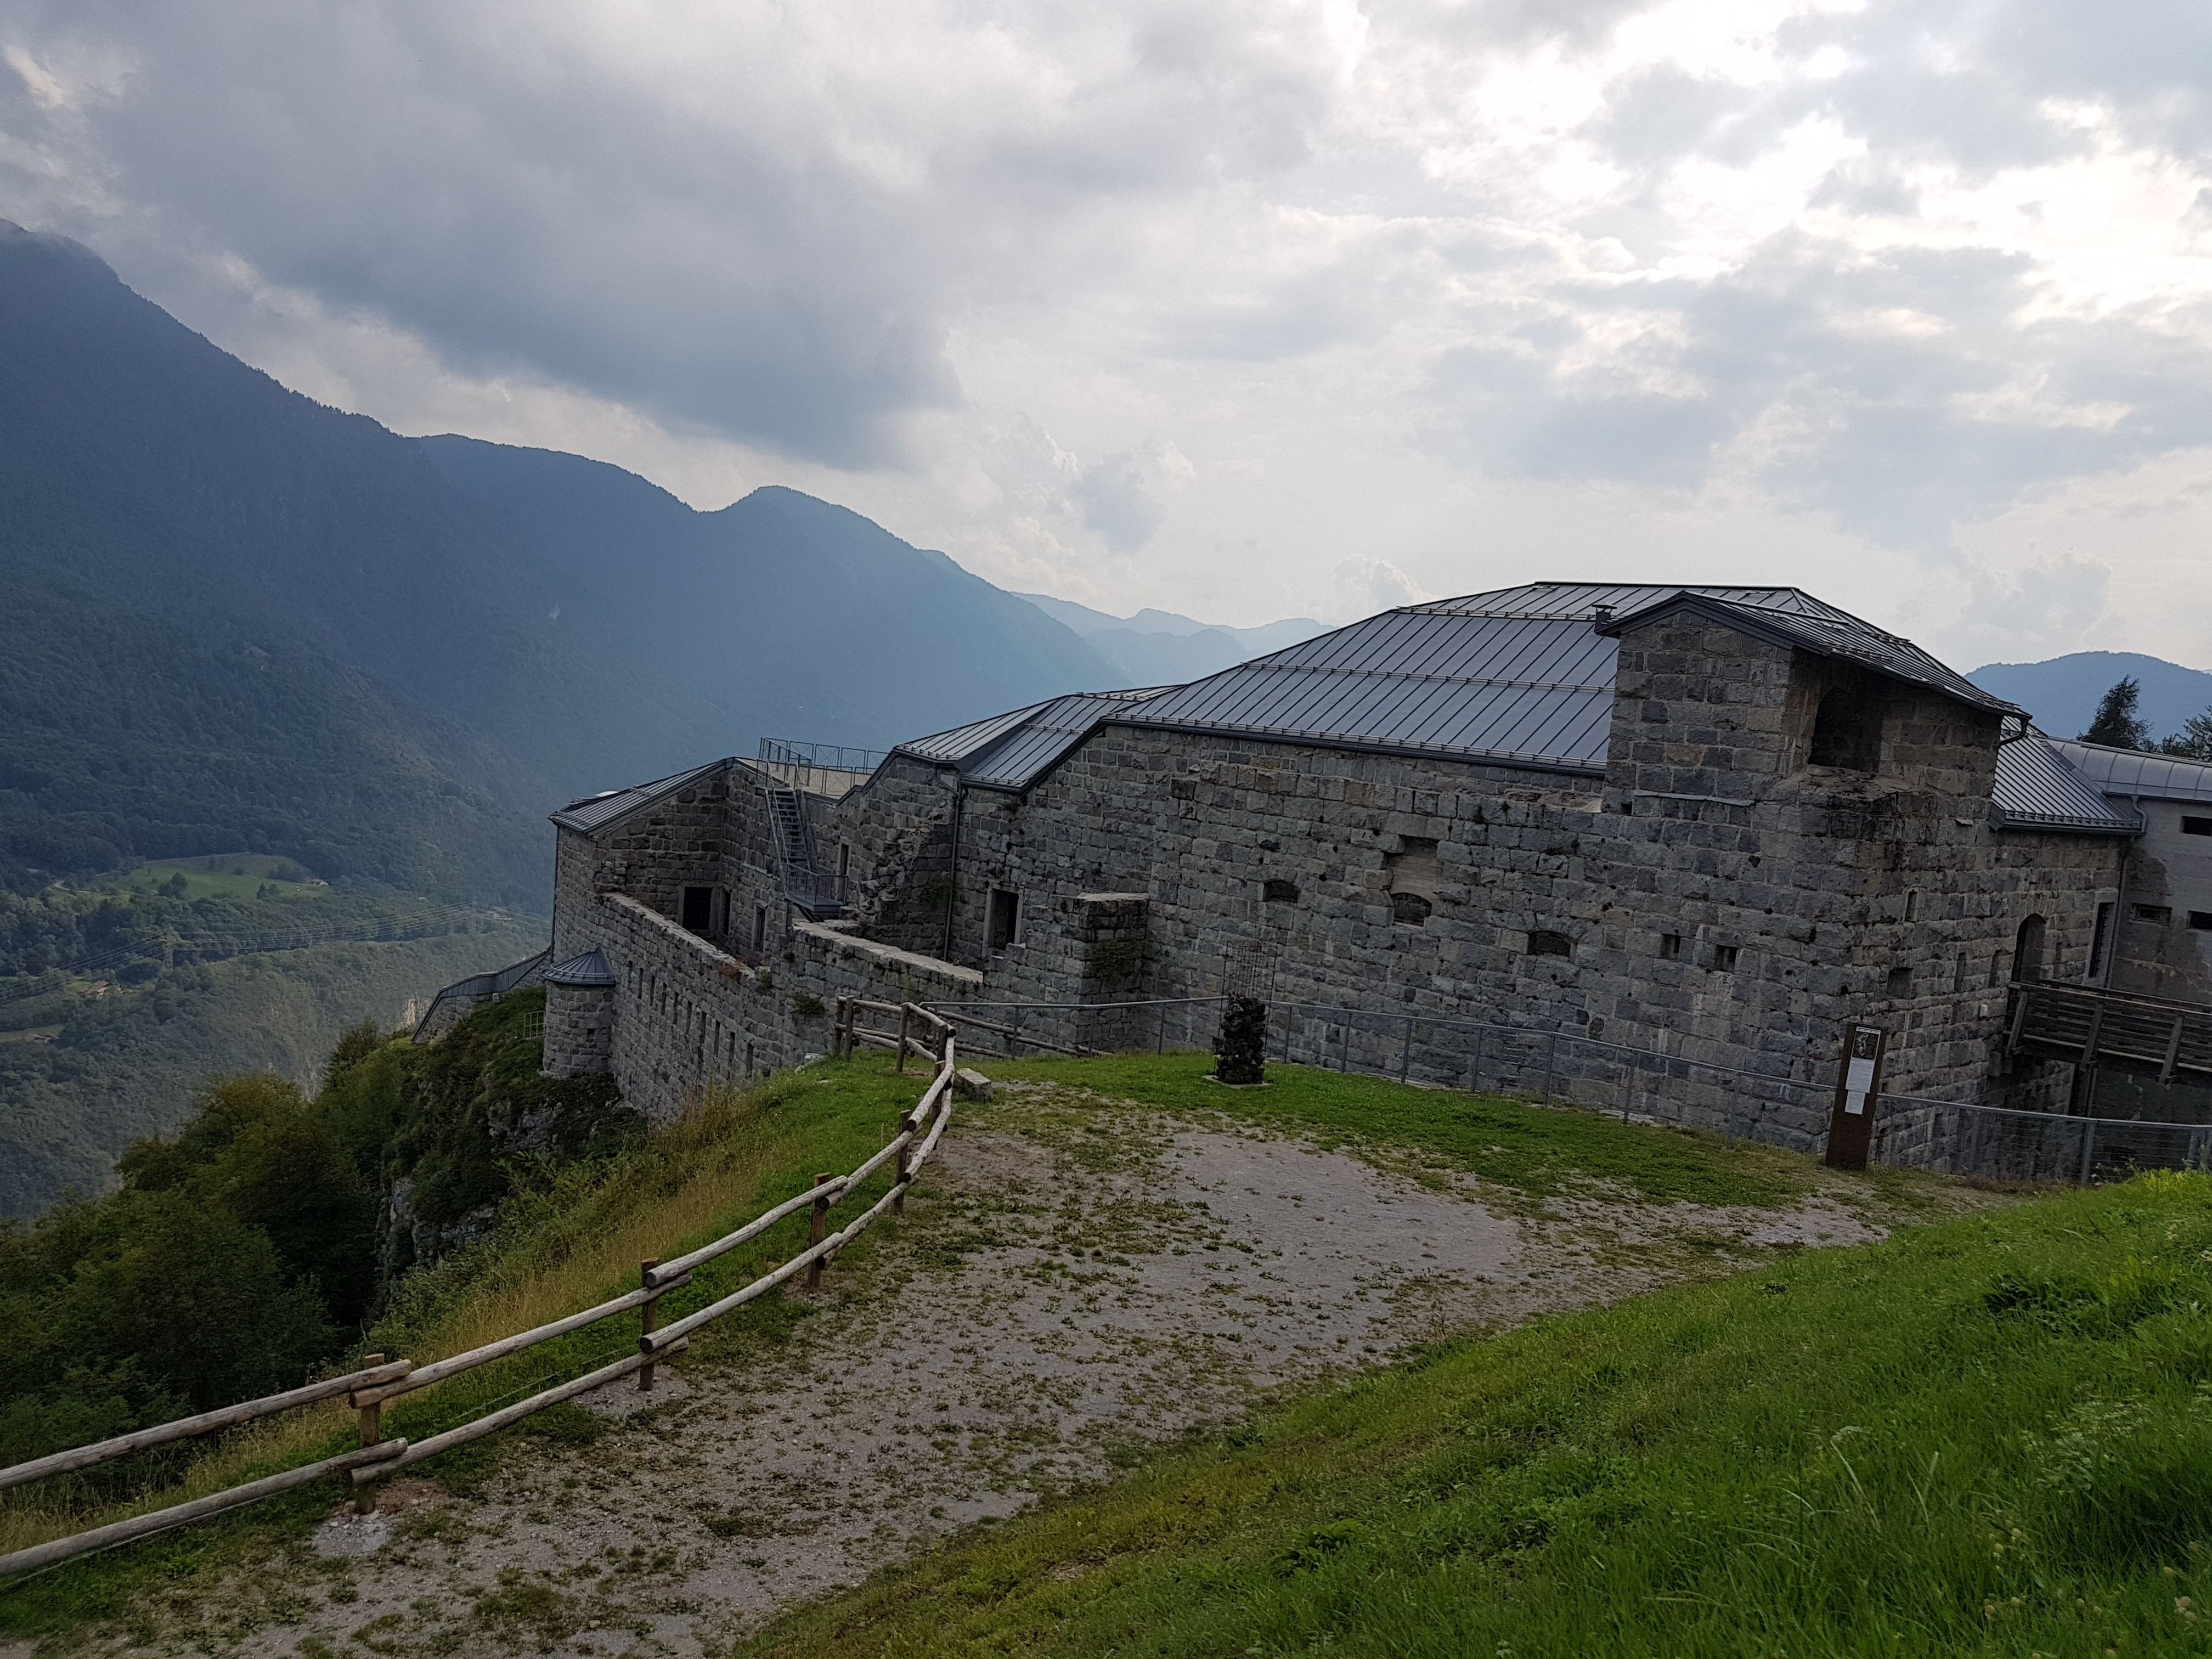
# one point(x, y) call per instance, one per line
point(579, 1030)
point(2169, 876)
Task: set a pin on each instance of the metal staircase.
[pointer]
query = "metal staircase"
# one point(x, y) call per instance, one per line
point(816, 896)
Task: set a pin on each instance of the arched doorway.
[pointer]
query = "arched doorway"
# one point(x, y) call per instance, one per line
point(2027, 950)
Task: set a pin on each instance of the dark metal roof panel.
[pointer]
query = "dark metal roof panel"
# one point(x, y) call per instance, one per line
point(595, 810)
point(589, 970)
point(1847, 637)
point(954, 747)
point(1024, 754)
point(2036, 786)
point(2128, 772)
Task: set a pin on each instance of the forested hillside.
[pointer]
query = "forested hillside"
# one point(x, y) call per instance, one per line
point(238, 619)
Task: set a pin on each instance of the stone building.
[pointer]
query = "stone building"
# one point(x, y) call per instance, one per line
point(1710, 822)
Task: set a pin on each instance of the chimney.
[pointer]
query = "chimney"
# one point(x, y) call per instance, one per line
point(1600, 614)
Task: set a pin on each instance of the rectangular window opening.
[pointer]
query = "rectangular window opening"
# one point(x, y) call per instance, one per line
point(1670, 946)
point(2197, 826)
point(2201, 920)
point(1724, 959)
point(1900, 981)
point(1004, 920)
point(698, 910)
point(2161, 914)
point(2100, 940)
point(760, 928)
point(1543, 942)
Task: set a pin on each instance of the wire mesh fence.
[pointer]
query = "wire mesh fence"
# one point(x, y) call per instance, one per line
point(1786, 1106)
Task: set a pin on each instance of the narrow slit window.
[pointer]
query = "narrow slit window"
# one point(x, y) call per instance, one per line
point(760, 928)
point(1004, 923)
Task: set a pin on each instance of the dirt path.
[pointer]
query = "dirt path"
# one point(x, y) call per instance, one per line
point(1076, 1280)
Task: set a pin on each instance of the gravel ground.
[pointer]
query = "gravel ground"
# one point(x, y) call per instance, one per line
point(1076, 1279)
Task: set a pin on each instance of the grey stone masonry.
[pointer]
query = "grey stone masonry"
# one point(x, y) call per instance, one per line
point(1745, 871)
point(579, 1029)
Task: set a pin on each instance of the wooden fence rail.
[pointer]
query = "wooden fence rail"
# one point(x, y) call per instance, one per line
point(367, 1389)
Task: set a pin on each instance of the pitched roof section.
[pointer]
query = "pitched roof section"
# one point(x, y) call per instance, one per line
point(595, 810)
point(2038, 788)
point(1011, 752)
point(1826, 632)
point(589, 970)
point(2130, 773)
point(1521, 675)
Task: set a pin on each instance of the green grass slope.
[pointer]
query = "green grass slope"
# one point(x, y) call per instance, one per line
point(1991, 1436)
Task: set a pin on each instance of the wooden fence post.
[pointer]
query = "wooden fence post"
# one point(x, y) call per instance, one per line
point(372, 1431)
point(648, 1321)
point(817, 1228)
point(905, 1019)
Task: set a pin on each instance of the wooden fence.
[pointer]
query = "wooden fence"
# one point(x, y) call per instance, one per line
point(379, 1380)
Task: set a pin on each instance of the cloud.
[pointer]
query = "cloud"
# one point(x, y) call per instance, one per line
point(1365, 586)
point(1868, 272)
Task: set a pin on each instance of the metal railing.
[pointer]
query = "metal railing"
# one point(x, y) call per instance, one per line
point(464, 994)
point(378, 1381)
point(1566, 1066)
point(820, 768)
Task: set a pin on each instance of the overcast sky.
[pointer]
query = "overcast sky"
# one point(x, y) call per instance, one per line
point(1238, 309)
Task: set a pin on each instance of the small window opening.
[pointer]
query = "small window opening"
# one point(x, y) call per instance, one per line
point(760, 928)
point(698, 910)
point(1911, 905)
point(2027, 950)
point(1997, 968)
point(1543, 942)
point(1411, 910)
point(844, 860)
point(1958, 976)
point(2159, 914)
point(1900, 981)
point(1670, 946)
point(1847, 728)
point(1275, 890)
point(2099, 941)
point(1004, 918)
point(2200, 919)
point(2197, 826)
point(1724, 959)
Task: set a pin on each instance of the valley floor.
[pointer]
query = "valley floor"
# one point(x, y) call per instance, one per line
point(1082, 1281)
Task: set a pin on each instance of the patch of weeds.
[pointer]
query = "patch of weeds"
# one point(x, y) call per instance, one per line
point(519, 1606)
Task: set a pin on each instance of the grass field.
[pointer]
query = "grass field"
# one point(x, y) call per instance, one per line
point(1991, 1436)
point(225, 875)
point(563, 1246)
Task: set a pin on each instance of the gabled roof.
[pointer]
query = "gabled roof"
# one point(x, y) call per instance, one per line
point(2038, 788)
point(2130, 773)
point(1524, 676)
point(1011, 752)
point(1826, 632)
point(595, 810)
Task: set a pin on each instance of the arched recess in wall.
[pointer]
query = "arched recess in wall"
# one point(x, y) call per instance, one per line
point(1847, 726)
point(2028, 949)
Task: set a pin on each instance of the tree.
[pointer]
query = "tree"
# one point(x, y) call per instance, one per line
point(2194, 741)
point(2117, 724)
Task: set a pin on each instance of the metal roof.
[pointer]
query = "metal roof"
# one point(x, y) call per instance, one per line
point(1522, 675)
point(594, 811)
point(2036, 786)
point(1829, 633)
point(2131, 773)
point(1012, 751)
point(589, 970)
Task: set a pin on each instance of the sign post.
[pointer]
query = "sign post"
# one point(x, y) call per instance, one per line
point(1858, 1086)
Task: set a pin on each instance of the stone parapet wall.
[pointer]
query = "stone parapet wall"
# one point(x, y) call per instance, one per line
point(579, 1030)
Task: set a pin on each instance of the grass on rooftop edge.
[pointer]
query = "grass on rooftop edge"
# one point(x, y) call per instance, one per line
point(1989, 1435)
point(1540, 1151)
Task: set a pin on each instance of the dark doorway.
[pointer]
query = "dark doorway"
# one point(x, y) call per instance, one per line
point(1847, 727)
point(698, 913)
point(1006, 918)
point(2027, 950)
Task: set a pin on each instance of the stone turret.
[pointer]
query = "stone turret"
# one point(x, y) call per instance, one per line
point(580, 1017)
